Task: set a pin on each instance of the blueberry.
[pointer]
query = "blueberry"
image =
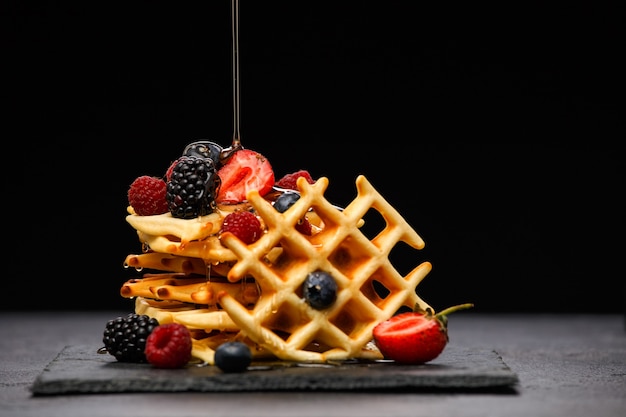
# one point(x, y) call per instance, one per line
point(204, 149)
point(286, 200)
point(233, 357)
point(319, 290)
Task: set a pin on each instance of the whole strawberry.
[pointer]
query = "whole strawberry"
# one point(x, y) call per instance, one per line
point(169, 346)
point(146, 195)
point(414, 337)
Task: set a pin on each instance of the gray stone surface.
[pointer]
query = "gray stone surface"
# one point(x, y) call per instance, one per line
point(568, 365)
point(80, 369)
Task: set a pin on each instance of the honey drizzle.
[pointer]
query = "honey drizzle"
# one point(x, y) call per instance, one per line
point(235, 64)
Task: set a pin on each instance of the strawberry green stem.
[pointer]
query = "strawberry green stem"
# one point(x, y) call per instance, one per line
point(453, 309)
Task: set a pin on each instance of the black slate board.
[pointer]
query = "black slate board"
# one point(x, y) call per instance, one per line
point(82, 370)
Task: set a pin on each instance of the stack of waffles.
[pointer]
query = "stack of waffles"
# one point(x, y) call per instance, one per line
point(223, 289)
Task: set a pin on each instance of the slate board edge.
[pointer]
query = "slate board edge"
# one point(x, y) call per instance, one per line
point(495, 377)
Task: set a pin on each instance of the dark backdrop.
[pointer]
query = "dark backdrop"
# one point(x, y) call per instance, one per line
point(495, 131)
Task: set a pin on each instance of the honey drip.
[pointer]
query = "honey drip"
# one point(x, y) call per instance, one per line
point(235, 56)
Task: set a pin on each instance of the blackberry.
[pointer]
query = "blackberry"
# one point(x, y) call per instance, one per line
point(125, 337)
point(192, 187)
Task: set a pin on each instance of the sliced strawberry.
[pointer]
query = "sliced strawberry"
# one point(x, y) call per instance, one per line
point(245, 171)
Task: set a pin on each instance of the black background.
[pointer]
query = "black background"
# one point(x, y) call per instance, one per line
point(495, 131)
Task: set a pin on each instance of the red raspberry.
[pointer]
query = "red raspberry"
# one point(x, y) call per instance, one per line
point(169, 346)
point(243, 224)
point(304, 226)
point(147, 196)
point(168, 173)
point(289, 180)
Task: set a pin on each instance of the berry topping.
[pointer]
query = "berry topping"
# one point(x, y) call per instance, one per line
point(304, 226)
point(289, 181)
point(244, 171)
point(414, 337)
point(243, 224)
point(192, 187)
point(125, 337)
point(233, 357)
point(285, 200)
point(170, 169)
point(169, 346)
point(146, 195)
point(204, 149)
point(319, 290)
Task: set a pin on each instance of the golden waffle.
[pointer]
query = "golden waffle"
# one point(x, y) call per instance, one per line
point(193, 238)
point(209, 326)
point(273, 318)
point(172, 263)
point(183, 288)
point(281, 321)
point(184, 230)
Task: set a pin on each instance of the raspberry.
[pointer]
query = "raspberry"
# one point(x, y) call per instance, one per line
point(243, 224)
point(170, 169)
point(192, 187)
point(289, 180)
point(304, 226)
point(146, 195)
point(169, 346)
point(125, 337)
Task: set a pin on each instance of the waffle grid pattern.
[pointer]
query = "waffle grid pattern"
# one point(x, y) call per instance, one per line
point(281, 321)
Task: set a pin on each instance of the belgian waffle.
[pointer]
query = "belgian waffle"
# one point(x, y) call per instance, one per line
point(260, 300)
